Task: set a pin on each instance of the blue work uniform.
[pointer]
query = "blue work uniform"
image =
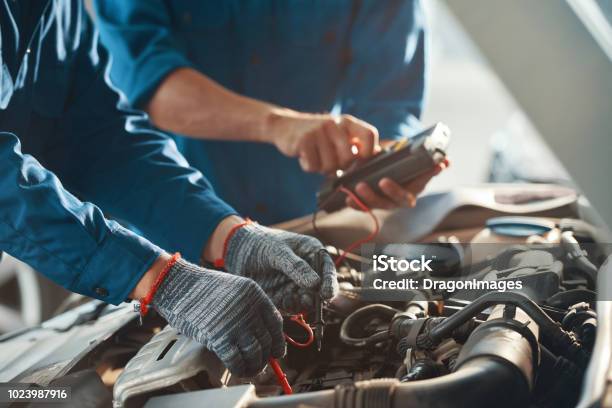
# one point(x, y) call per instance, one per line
point(59, 121)
point(365, 58)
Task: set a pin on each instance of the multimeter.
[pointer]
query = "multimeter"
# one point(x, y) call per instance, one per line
point(403, 161)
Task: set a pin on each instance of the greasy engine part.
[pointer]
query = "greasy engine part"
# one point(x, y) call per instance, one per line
point(509, 334)
point(424, 369)
point(558, 382)
point(85, 387)
point(565, 299)
point(357, 321)
point(72, 341)
point(170, 362)
point(582, 320)
point(409, 320)
point(560, 341)
point(579, 258)
point(481, 382)
point(496, 367)
point(540, 273)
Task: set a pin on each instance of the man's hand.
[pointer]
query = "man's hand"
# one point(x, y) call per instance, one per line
point(290, 268)
point(394, 195)
point(322, 142)
point(230, 315)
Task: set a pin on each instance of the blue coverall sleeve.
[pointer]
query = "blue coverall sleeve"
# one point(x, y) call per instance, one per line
point(144, 49)
point(133, 172)
point(64, 238)
point(385, 81)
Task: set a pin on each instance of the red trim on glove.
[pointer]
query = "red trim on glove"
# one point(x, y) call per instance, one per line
point(146, 300)
point(220, 263)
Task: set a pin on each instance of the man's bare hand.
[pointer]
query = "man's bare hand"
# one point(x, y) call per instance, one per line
point(322, 142)
point(394, 195)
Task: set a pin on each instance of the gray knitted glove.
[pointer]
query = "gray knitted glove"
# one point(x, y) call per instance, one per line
point(289, 267)
point(229, 314)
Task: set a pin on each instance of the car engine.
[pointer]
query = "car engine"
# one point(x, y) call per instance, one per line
point(459, 345)
point(502, 348)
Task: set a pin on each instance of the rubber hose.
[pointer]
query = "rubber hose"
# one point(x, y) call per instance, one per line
point(562, 342)
point(360, 315)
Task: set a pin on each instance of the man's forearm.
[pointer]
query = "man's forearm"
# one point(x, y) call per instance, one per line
point(189, 103)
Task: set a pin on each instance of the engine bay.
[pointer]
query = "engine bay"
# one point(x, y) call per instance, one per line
point(509, 346)
point(440, 346)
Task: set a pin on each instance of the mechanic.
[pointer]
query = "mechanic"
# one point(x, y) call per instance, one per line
point(59, 121)
point(224, 71)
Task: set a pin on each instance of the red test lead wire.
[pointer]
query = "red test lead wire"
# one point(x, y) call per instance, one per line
point(280, 376)
point(299, 320)
point(361, 241)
